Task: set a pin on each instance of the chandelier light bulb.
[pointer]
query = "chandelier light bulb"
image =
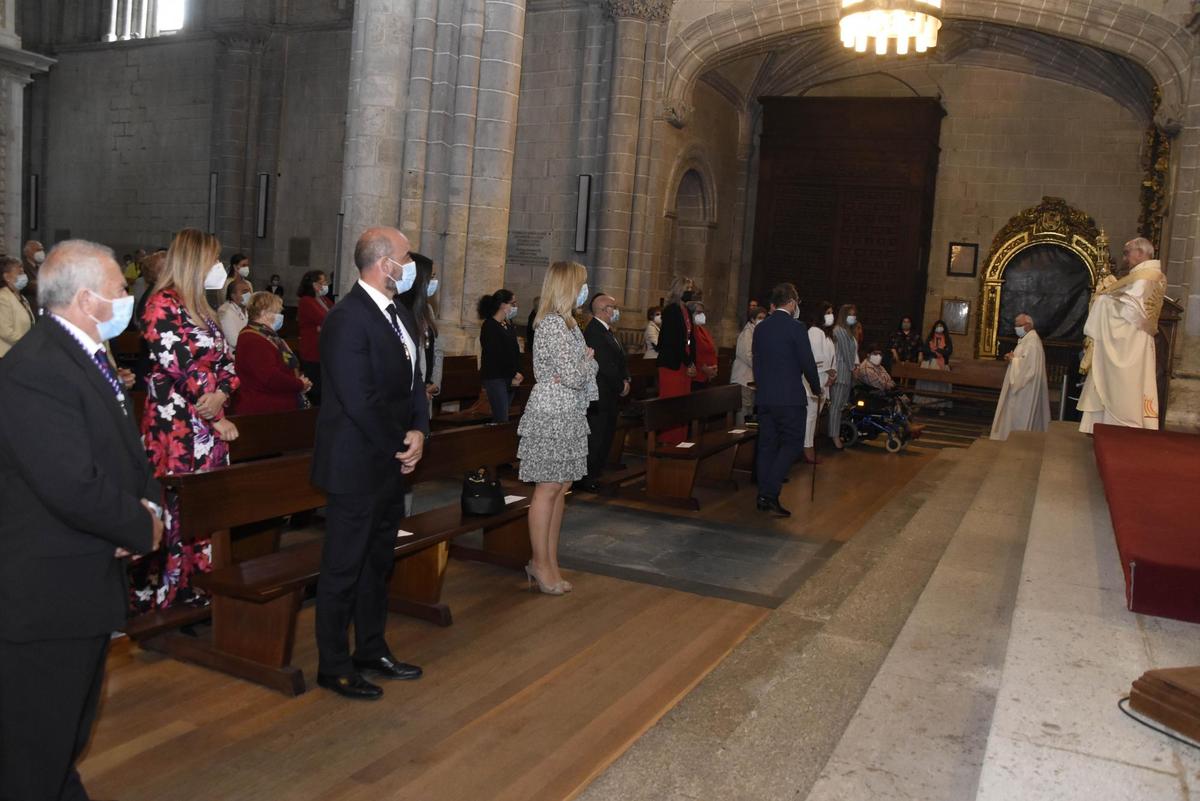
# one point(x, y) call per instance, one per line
point(911, 24)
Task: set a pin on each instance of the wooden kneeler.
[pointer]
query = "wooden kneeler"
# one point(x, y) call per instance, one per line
point(1170, 696)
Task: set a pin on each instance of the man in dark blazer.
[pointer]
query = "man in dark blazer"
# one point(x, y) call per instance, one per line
point(370, 433)
point(77, 495)
point(612, 381)
point(783, 359)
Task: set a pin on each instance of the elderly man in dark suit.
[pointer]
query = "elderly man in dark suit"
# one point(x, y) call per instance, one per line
point(783, 360)
point(77, 495)
point(370, 433)
point(612, 381)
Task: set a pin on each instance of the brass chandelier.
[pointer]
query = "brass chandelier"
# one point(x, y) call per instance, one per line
point(911, 24)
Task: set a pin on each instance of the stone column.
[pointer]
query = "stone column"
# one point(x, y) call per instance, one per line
point(736, 291)
point(234, 135)
point(416, 125)
point(17, 68)
point(372, 170)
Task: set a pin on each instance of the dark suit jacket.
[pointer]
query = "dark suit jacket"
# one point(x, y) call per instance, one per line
point(610, 356)
point(368, 402)
point(72, 473)
point(782, 358)
point(675, 350)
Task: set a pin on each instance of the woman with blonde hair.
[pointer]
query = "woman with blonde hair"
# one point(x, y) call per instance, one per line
point(184, 428)
point(554, 429)
point(268, 369)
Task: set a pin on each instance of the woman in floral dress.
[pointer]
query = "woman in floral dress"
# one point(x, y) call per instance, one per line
point(183, 427)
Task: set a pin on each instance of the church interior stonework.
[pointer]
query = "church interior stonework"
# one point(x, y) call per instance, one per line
point(945, 613)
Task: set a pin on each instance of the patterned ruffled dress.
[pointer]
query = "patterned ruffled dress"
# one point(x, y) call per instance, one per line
point(554, 428)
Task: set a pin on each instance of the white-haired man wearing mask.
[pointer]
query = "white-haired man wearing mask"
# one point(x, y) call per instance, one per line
point(1025, 398)
point(78, 496)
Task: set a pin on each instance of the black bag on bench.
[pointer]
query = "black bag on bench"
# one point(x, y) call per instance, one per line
point(482, 495)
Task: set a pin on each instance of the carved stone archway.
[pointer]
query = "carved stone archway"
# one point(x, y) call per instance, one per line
point(1051, 222)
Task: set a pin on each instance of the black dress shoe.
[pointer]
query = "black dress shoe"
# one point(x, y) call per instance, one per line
point(766, 504)
point(389, 668)
point(351, 685)
point(586, 485)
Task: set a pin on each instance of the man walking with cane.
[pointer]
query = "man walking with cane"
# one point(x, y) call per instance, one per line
point(783, 360)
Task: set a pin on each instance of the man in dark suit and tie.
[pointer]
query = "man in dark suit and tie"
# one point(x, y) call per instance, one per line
point(783, 359)
point(612, 381)
point(370, 433)
point(77, 495)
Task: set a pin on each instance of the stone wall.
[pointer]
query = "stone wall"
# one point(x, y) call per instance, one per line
point(127, 142)
point(1007, 140)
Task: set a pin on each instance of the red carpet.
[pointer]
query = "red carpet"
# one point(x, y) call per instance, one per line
point(1152, 481)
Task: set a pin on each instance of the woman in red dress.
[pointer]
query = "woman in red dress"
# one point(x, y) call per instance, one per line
point(266, 366)
point(183, 427)
point(676, 351)
point(706, 348)
point(314, 305)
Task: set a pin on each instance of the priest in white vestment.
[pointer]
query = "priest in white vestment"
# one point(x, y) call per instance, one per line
point(1025, 398)
point(1121, 388)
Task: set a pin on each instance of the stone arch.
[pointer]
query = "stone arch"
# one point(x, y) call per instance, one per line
point(1160, 46)
point(688, 228)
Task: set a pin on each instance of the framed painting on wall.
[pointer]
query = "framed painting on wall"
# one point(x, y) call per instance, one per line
point(957, 314)
point(961, 259)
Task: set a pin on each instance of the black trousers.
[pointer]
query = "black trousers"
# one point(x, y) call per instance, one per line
point(602, 424)
point(49, 690)
point(356, 564)
point(312, 371)
point(780, 443)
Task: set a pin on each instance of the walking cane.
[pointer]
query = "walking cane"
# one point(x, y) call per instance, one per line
point(813, 494)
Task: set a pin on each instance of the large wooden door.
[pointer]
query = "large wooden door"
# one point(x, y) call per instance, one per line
point(845, 202)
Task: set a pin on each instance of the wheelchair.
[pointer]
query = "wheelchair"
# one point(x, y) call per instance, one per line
point(872, 413)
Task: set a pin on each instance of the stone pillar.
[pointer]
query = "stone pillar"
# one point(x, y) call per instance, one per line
point(416, 126)
point(17, 68)
point(743, 235)
point(372, 170)
point(234, 136)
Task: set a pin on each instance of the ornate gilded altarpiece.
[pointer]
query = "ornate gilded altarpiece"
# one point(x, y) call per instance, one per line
point(1052, 222)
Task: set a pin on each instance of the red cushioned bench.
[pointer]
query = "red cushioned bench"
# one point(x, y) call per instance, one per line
point(1152, 481)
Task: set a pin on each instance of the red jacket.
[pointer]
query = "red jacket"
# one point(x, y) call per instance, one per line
point(706, 353)
point(267, 383)
point(310, 316)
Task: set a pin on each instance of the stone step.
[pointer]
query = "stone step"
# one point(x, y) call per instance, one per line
point(921, 727)
point(1074, 651)
point(764, 722)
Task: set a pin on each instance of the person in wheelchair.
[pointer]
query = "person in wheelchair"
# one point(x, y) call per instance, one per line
point(871, 372)
point(877, 406)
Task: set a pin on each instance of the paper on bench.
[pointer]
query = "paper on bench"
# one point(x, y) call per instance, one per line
point(513, 499)
point(685, 445)
point(402, 533)
point(738, 431)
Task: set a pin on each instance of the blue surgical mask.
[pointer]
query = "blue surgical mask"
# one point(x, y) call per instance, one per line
point(616, 316)
point(511, 313)
point(122, 313)
point(408, 276)
point(21, 282)
point(245, 298)
point(277, 321)
point(851, 319)
point(1020, 331)
point(431, 288)
point(582, 297)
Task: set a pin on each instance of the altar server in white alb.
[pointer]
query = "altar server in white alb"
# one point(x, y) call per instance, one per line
point(1120, 388)
point(1025, 398)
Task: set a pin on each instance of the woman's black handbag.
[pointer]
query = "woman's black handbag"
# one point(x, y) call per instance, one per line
point(481, 494)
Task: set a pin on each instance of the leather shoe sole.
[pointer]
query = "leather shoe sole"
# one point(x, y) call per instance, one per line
point(389, 669)
point(352, 686)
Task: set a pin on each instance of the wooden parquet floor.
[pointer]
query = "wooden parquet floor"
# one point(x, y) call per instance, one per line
point(524, 697)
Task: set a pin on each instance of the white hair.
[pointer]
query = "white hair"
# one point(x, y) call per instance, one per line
point(1141, 245)
point(70, 266)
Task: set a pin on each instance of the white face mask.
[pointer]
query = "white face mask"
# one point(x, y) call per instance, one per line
point(431, 288)
point(851, 319)
point(796, 312)
point(939, 329)
point(829, 319)
point(40, 256)
point(245, 298)
point(658, 319)
point(511, 313)
point(277, 321)
point(582, 297)
point(244, 271)
point(322, 291)
point(876, 359)
point(216, 277)
point(701, 318)
point(21, 282)
point(1020, 330)
point(616, 316)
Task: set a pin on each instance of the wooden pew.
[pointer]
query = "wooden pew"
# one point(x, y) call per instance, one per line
point(969, 380)
point(671, 471)
point(254, 603)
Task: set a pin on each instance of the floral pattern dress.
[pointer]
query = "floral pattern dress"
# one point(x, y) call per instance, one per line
point(188, 359)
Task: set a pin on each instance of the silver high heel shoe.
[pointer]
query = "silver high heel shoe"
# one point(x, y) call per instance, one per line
point(548, 589)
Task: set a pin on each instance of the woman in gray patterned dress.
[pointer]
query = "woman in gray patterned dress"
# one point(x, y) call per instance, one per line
point(554, 429)
point(846, 347)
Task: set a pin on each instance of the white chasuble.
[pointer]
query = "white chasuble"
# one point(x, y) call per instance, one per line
point(1120, 388)
point(1025, 398)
